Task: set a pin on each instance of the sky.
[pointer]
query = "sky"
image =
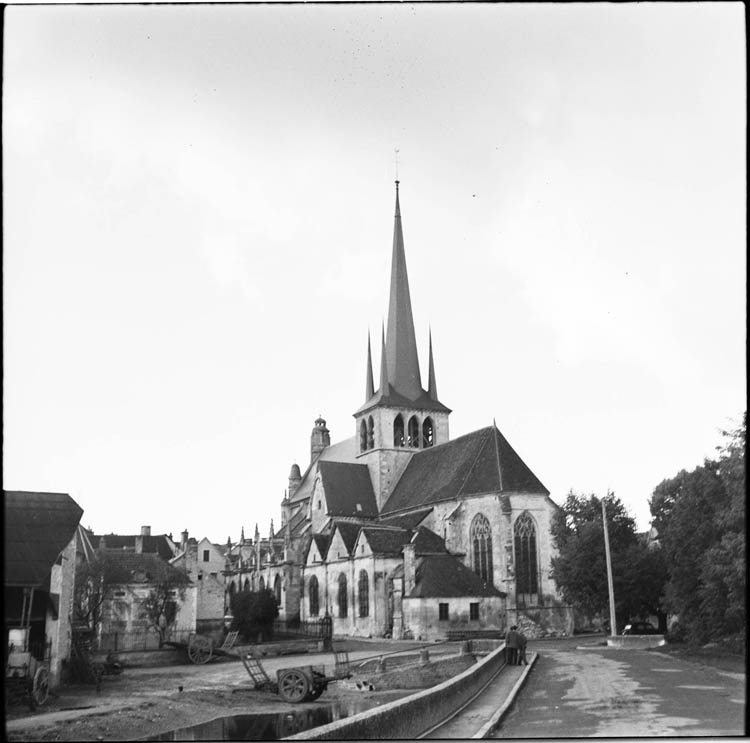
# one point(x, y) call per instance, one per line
point(198, 216)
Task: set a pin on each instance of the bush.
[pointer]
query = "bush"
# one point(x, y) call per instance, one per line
point(253, 614)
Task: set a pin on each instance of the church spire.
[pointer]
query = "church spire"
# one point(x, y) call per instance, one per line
point(370, 384)
point(383, 366)
point(432, 386)
point(401, 345)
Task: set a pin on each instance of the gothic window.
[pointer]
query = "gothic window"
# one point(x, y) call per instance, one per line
point(277, 589)
point(363, 436)
point(413, 439)
point(370, 433)
point(428, 433)
point(527, 582)
point(481, 547)
point(343, 603)
point(398, 431)
point(314, 602)
point(364, 594)
point(262, 585)
point(231, 588)
point(247, 584)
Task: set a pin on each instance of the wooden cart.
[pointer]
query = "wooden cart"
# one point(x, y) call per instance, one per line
point(26, 676)
point(300, 683)
point(200, 649)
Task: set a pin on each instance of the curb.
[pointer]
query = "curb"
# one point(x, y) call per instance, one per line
point(496, 718)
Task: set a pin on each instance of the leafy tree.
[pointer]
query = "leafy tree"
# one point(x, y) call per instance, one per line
point(94, 581)
point(253, 613)
point(159, 608)
point(580, 569)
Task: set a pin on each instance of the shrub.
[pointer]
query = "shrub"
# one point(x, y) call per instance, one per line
point(253, 614)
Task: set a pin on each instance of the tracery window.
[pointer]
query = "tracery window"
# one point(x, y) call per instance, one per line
point(413, 438)
point(277, 589)
point(314, 600)
point(247, 584)
point(370, 433)
point(428, 433)
point(363, 436)
point(398, 430)
point(524, 538)
point(343, 602)
point(364, 594)
point(481, 547)
point(262, 582)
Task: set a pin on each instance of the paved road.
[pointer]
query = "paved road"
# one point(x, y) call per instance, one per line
point(615, 693)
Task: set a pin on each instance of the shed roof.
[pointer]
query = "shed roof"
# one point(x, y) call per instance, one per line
point(386, 541)
point(479, 462)
point(445, 576)
point(38, 526)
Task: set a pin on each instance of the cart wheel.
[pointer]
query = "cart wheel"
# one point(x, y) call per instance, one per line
point(293, 686)
point(40, 688)
point(315, 692)
point(199, 649)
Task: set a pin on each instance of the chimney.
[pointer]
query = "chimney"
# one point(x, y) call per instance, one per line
point(409, 569)
point(145, 531)
point(184, 542)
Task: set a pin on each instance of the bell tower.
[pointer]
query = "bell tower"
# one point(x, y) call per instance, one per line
point(400, 417)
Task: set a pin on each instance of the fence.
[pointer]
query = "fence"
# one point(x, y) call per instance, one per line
point(142, 638)
point(317, 629)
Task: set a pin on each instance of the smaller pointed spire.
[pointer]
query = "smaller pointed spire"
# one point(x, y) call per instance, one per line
point(271, 533)
point(432, 387)
point(370, 384)
point(383, 366)
point(257, 532)
point(242, 535)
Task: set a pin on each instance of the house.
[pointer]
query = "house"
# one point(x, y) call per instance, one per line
point(40, 533)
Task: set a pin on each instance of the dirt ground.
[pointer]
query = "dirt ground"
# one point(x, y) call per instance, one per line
point(145, 702)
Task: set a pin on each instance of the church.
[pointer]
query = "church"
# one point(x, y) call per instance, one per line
point(401, 531)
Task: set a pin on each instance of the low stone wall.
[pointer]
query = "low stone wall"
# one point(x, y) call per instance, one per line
point(415, 674)
point(414, 715)
point(635, 642)
point(146, 658)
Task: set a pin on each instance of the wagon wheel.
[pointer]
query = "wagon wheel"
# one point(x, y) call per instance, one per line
point(40, 686)
point(293, 686)
point(315, 692)
point(199, 649)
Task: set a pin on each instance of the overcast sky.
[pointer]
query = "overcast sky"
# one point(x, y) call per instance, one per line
point(198, 215)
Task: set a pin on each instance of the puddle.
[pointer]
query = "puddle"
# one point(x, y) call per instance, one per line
point(268, 726)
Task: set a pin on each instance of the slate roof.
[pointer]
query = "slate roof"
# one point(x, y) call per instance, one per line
point(342, 451)
point(426, 542)
point(407, 520)
point(322, 542)
point(157, 544)
point(349, 532)
point(136, 567)
point(444, 576)
point(465, 466)
point(346, 487)
point(392, 399)
point(38, 526)
point(386, 541)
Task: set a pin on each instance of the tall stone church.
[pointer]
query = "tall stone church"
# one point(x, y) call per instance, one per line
point(402, 531)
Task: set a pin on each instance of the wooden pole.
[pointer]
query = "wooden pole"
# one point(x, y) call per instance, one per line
point(610, 585)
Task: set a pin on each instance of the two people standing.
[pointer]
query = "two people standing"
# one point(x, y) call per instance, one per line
point(515, 643)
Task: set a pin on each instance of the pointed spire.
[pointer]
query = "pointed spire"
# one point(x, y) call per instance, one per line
point(369, 384)
point(242, 535)
point(403, 362)
point(432, 387)
point(383, 365)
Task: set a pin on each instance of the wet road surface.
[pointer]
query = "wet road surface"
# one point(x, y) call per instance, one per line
point(613, 693)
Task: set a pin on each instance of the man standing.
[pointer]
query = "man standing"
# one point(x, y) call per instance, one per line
point(522, 649)
point(511, 645)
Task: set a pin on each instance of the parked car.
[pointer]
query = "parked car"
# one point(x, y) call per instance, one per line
point(640, 628)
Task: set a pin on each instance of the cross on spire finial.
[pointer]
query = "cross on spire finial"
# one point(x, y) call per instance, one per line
point(396, 161)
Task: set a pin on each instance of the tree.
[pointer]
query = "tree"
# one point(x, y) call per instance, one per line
point(160, 606)
point(580, 569)
point(253, 613)
point(94, 581)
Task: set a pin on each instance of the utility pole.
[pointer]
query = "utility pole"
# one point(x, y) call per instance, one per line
point(610, 585)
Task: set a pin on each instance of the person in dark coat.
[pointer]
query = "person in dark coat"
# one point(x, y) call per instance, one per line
point(522, 649)
point(511, 645)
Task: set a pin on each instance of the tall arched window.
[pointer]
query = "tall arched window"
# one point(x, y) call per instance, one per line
point(231, 589)
point(364, 594)
point(413, 439)
point(428, 433)
point(343, 603)
point(363, 436)
point(277, 589)
point(314, 600)
point(481, 547)
point(247, 584)
point(262, 582)
point(527, 583)
point(370, 433)
point(398, 431)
